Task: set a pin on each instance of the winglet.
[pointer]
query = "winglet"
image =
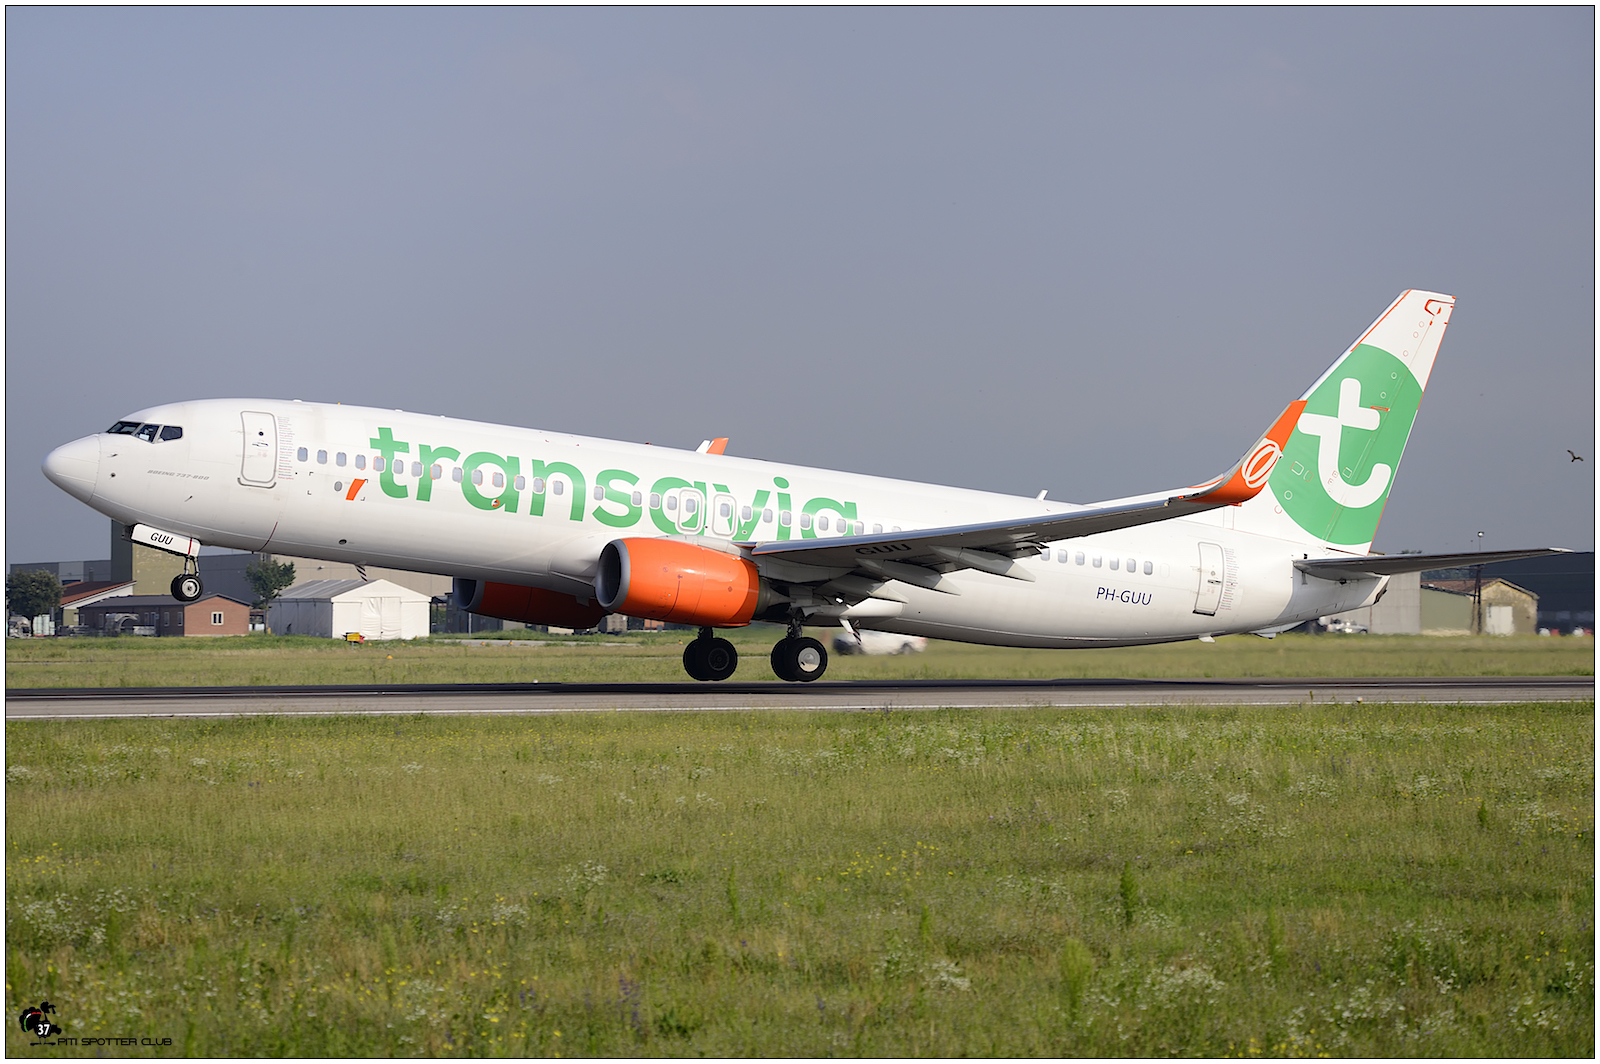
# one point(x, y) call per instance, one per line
point(1245, 480)
point(716, 446)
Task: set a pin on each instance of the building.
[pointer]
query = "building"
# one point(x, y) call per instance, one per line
point(1563, 584)
point(1412, 604)
point(87, 593)
point(163, 615)
point(378, 609)
point(1506, 608)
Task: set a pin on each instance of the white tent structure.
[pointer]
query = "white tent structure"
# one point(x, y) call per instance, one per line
point(377, 609)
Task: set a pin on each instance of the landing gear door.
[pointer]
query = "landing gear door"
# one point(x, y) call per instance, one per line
point(260, 464)
point(1209, 595)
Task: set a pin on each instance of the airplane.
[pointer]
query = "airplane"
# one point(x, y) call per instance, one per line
point(551, 528)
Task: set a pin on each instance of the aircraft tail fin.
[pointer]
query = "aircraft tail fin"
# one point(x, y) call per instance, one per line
point(1330, 482)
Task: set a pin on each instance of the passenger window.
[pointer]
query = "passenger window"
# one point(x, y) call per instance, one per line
point(599, 493)
point(456, 474)
point(877, 530)
point(416, 470)
point(822, 522)
point(477, 477)
point(1133, 566)
point(499, 480)
point(638, 497)
point(172, 432)
point(538, 485)
point(378, 463)
point(766, 515)
point(1044, 555)
point(723, 509)
point(655, 500)
point(1096, 561)
point(558, 487)
point(859, 527)
point(1114, 563)
point(361, 461)
point(1078, 558)
point(301, 454)
point(438, 471)
point(785, 518)
point(672, 503)
point(147, 433)
point(1148, 568)
point(896, 528)
point(744, 513)
point(124, 428)
point(338, 459)
point(520, 483)
point(690, 504)
point(805, 521)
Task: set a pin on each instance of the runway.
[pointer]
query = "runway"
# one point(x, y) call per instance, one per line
point(535, 698)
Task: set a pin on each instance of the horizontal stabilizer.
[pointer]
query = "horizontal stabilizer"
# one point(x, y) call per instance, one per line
point(1392, 564)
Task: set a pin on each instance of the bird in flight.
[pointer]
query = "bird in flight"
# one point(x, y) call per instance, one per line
point(1575, 456)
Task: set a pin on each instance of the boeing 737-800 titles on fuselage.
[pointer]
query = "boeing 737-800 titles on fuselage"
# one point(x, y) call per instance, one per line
point(551, 528)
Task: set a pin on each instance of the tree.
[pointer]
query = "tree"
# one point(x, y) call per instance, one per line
point(268, 579)
point(32, 593)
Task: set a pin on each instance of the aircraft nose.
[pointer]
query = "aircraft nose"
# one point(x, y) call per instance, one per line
point(73, 467)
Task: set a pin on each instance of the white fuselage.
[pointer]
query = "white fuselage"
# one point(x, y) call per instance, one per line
point(260, 474)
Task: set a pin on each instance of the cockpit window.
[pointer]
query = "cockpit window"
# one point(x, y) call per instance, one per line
point(147, 433)
point(172, 432)
point(124, 428)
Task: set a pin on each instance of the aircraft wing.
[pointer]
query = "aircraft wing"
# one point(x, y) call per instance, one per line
point(992, 545)
point(941, 548)
point(1392, 564)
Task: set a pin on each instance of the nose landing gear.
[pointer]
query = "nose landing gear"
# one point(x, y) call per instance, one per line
point(187, 586)
point(710, 658)
point(799, 659)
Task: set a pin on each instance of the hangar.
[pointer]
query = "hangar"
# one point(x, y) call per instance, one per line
point(378, 609)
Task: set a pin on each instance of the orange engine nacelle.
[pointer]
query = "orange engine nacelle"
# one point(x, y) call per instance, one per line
point(535, 605)
point(669, 580)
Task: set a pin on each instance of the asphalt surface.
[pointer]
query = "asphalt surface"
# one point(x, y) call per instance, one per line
point(90, 703)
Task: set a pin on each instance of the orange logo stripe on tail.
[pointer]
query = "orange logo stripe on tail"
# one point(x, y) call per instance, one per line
point(355, 488)
point(1250, 475)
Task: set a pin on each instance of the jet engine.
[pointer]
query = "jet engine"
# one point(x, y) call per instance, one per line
point(669, 580)
point(535, 605)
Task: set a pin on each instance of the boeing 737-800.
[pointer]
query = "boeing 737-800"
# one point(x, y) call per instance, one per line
point(551, 528)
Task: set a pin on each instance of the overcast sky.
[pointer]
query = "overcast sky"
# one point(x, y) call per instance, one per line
point(1094, 251)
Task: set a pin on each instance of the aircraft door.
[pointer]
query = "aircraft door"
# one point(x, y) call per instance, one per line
point(1209, 596)
point(260, 464)
point(724, 514)
point(691, 510)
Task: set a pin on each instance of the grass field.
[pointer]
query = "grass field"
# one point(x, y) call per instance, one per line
point(1350, 880)
point(259, 660)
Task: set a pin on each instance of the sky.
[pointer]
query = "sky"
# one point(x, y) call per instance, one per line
point(1093, 251)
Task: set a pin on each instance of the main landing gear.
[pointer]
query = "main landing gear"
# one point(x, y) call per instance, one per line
point(798, 659)
point(186, 586)
point(710, 658)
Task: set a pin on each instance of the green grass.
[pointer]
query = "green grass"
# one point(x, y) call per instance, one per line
point(261, 660)
point(1351, 880)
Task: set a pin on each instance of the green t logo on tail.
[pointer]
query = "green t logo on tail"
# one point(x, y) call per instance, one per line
point(1337, 469)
